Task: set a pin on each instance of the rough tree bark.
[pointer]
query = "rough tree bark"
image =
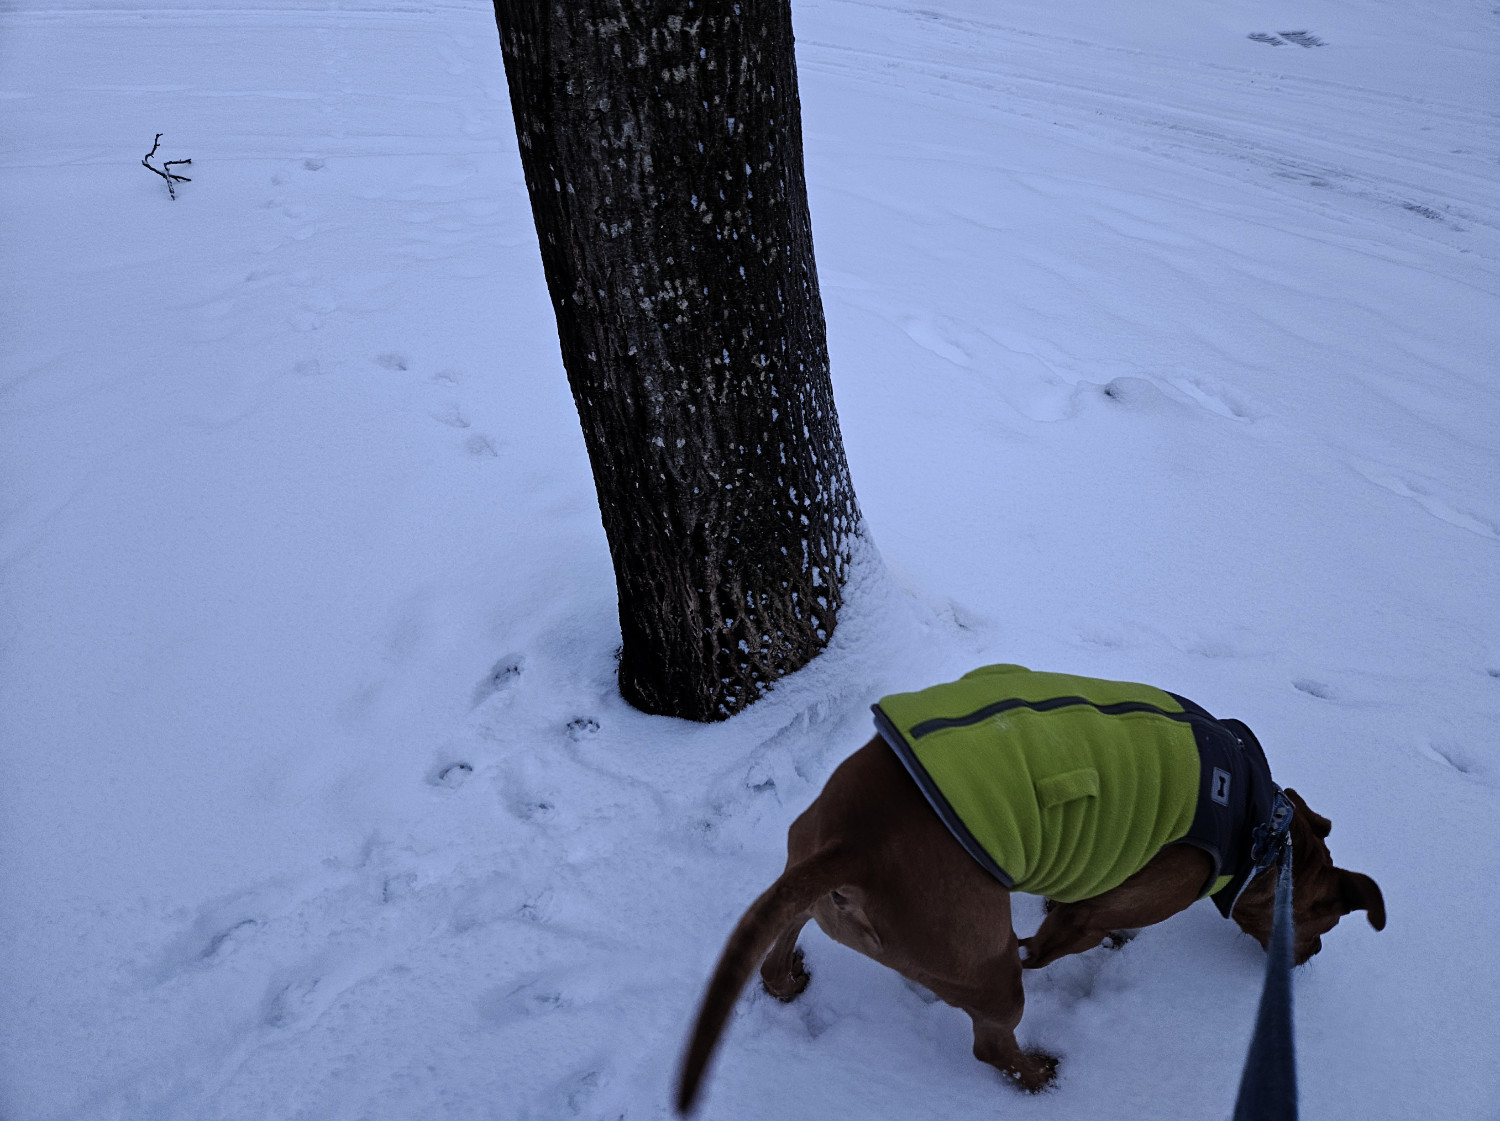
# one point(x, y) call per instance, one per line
point(662, 146)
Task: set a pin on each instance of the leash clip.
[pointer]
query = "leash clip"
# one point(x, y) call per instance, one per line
point(1271, 840)
point(1269, 836)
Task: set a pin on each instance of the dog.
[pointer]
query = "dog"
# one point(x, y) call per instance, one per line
point(900, 859)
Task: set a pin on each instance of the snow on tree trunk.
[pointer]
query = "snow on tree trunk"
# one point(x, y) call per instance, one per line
point(662, 146)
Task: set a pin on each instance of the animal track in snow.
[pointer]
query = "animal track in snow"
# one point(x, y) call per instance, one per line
point(451, 775)
point(451, 415)
point(1452, 755)
point(393, 361)
point(534, 810)
point(534, 908)
point(481, 447)
point(1101, 637)
point(538, 995)
point(1213, 648)
point(1300, 38)
point(218, 929)
point(1138, 395)
point(224, 940)
point(502, 675)
point(1425, 211)
point(582, 728)
point(286, 1001)
point(399, 886)
point(1314, 688)
point(1225, 403)
point(1423, 495)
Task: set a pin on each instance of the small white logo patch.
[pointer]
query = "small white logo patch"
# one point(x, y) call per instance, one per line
point(1219, 791)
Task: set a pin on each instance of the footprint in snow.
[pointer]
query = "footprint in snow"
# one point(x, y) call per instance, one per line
point(313, 164)
point(221, 943)
point(582, 728)
point(1300, 38)
point(393, 361)
point(1426, 495)
point(451, 415)
point(1314, 688)
point(286, 1001)
point(481, 447)
point(478, 445)
point(537, 995)
point(503, 674)
point(1213, 648)
point(1103, 638)
point(450, 775)
point(217, 931)
point(398, 887)
point(1454, 756)
point(1140, 395)
point(528, 809)
point(1224, 403)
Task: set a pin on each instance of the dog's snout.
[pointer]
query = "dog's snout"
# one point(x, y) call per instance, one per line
point(1309, 950)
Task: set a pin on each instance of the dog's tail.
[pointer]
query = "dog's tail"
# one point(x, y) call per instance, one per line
point(793, 893)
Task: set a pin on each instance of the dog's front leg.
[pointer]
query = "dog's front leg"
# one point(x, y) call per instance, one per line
point(1171, 881)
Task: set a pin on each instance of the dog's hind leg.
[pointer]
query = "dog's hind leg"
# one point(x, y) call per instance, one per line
point(995, 1043)
point(996, 1010)
point(782, 973)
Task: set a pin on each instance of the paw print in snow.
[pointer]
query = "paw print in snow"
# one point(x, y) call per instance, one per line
point(582, 728)
point(481, 447)
point(1301, 38)
point(452, 775)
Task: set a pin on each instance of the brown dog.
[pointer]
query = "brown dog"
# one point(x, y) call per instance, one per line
point(871, 862)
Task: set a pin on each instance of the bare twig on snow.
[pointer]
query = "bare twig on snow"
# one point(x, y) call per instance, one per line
point(165, 170)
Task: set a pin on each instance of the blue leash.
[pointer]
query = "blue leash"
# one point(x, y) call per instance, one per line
point(1268, 1086)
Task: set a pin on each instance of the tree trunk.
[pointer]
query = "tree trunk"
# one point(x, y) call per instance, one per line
point(662, 146)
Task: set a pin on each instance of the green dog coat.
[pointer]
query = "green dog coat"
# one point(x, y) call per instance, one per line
point(1067, 786)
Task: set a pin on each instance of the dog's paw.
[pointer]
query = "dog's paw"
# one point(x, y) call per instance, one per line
point(1034, 1071)
point(788, 984)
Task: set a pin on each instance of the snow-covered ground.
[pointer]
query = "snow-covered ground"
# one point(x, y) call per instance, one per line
point(1162, 353)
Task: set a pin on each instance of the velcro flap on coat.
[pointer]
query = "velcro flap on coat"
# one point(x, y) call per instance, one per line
point(1069, 786)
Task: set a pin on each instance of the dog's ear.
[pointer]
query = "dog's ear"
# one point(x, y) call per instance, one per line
point(1357, 892)
point(1321, 826)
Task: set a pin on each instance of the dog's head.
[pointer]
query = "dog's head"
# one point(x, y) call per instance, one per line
point(1321, 893)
